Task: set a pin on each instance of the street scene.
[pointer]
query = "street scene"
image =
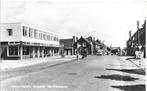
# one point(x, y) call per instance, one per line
point(73, 45)
point(94, 73)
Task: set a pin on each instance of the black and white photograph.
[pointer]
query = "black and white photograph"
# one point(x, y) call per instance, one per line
point(73, 45)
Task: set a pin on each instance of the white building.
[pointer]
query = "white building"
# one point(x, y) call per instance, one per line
point(20, 41)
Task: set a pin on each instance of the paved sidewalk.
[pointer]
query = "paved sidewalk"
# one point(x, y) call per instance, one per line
point(10, 64)
point(139, 63)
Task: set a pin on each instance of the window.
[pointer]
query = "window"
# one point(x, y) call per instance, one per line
point(24, 31)
point(54, 38)
point(44, 36)
point(57, 39)
point(30, 32)
point(25, 50)
point(40, 35)
point(51, 38)
point(101, 47)
point(84, 44)
point(35, 33)
point(13, 50)
point(9, 32)
point(46, 51)
point(48, 37)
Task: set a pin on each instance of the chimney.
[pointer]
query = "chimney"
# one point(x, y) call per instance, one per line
point(137, 25)
point(94, 38)
point(129, 34)
point(74, 39)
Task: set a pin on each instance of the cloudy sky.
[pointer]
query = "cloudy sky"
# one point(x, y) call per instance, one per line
point(108, 20)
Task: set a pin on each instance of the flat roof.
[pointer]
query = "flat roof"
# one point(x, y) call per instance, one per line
point(33, 26)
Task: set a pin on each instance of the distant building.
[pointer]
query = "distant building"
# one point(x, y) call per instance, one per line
point(136, 40)
point(21, 41)
point(90, 44)
point(83, 42)
point(116, 50)
point(68, 46)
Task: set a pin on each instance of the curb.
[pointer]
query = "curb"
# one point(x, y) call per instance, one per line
point(32, 70)
point(51, 65)
point(143, 69)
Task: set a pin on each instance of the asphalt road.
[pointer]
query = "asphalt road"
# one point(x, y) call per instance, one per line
point(94, 73)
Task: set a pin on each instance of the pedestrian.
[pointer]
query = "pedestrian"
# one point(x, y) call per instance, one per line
point(82, 53)
point(77, 54)
point(137, 53)
point(85, 50)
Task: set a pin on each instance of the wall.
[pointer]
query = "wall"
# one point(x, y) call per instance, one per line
point(18, 34)
point(15, 32)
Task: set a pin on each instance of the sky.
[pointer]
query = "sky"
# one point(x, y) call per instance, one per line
point(108, 20)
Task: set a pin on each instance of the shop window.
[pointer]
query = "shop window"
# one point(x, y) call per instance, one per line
point(13, 51)
point(46, 51)
point(25, 50)
point(24, 31)
point(10, 32)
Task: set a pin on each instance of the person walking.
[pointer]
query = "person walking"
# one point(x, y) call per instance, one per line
point(84, 52)
point(77, 53)
point(137, 53)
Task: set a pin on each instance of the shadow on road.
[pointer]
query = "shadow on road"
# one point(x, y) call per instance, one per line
point(117, 77)
point(131, 87)
point(133, 58)
point(134, 71)
point(130, 58)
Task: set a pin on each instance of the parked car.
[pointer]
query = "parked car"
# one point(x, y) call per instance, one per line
point(100, 52)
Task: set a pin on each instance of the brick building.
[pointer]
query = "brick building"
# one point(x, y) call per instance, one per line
point(136, 40)
point(68, 46)
point(90, 44)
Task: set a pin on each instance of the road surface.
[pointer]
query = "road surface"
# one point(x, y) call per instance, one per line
point(94, 73)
